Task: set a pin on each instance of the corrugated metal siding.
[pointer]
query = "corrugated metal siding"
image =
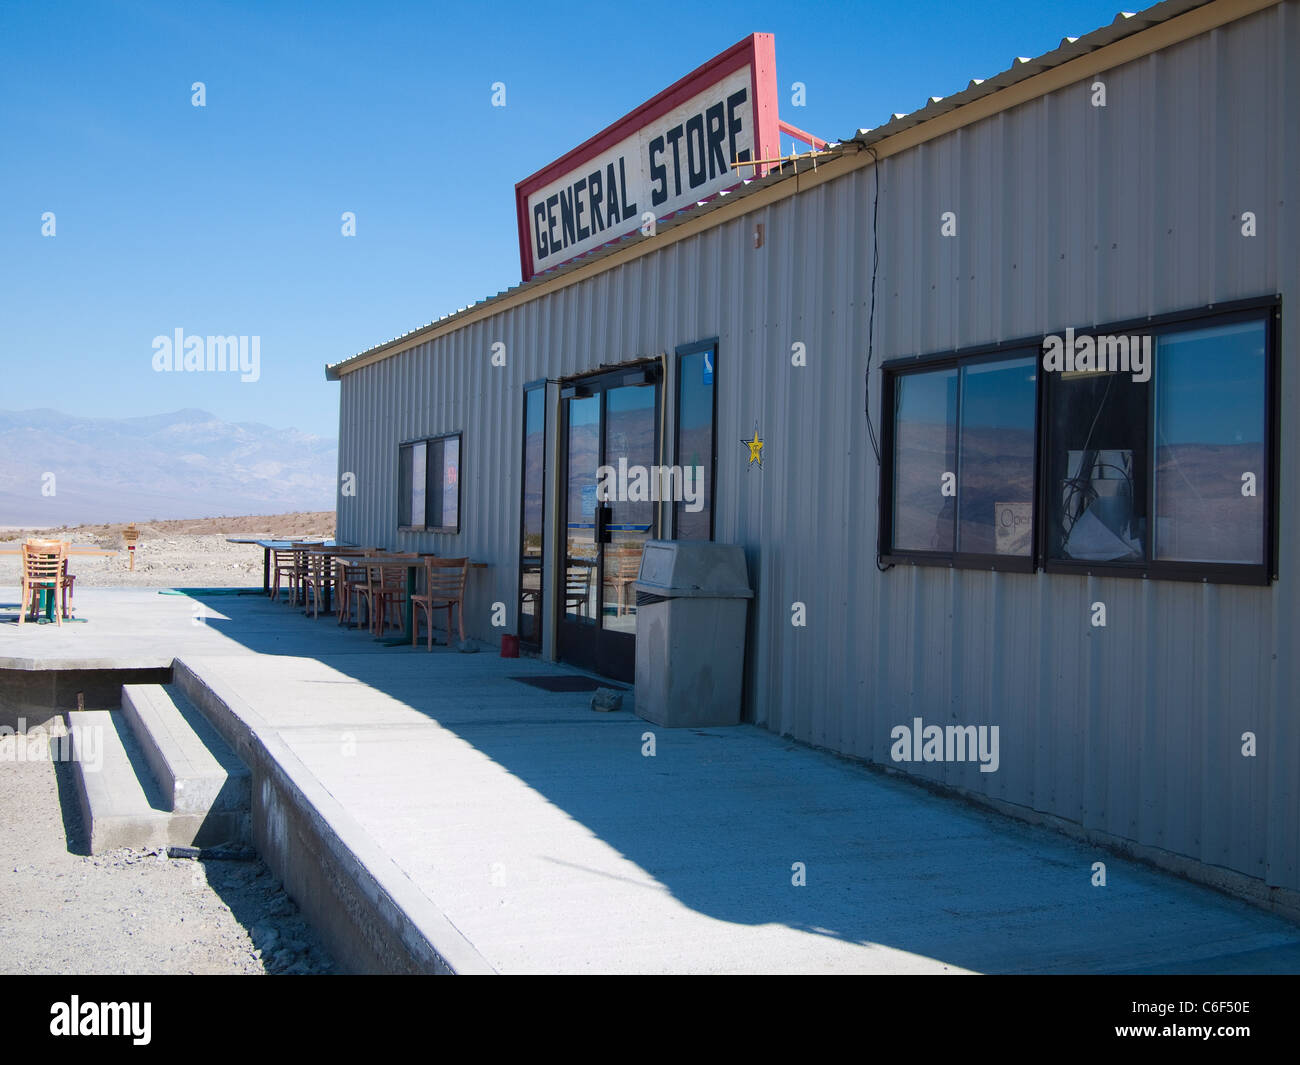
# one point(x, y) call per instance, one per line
point(1067, 214)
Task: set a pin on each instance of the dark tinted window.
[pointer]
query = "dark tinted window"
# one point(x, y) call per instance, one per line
point(695, 399)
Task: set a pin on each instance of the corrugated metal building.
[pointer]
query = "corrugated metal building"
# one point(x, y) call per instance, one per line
point(1066, 214)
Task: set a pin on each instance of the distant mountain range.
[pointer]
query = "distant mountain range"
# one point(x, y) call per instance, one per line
point(185, 464)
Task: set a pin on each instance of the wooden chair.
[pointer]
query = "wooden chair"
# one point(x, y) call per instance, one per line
point(577, 586)
point(317, 579)
point(622, 567)
point(530, 600)
point(444, 586)
point(350, 587)
point(367, 580)
point(286, 561)
point(44, 563)
point(386, 590)
point(69, 580)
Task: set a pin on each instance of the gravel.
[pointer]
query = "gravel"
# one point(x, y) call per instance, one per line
point(192, 553)
point(130, 911)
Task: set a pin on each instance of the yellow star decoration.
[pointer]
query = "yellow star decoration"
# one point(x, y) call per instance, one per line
point(755, 450)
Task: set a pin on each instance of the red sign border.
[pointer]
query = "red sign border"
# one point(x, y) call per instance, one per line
point(757, 51)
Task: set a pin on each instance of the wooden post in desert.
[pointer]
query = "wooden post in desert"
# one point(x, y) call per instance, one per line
point(131, 534)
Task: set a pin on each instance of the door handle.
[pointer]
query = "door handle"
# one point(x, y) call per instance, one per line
point(603, 516)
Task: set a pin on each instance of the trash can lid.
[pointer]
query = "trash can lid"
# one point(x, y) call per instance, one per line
point(698, 568)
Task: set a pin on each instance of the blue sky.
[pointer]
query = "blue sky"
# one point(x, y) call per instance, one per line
point(225, 219)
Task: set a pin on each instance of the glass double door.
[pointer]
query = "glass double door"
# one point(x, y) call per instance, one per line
point(610, 442)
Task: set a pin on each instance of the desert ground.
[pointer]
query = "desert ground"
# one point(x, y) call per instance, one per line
point(138, 911)
point(130, 911)
point(185, 553)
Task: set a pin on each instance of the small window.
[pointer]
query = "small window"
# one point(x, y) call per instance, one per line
point(1210, 443)
point(925, 461)
point(428, 485)
point(410, 487)
point(696, 406)
point(1098, 455)
point(962, 469)
point(532, 510)
point(995, 458)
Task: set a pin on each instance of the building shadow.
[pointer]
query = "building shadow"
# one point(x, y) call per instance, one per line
point(749, 828)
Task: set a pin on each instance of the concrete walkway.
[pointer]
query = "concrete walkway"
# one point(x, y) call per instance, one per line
point(553, 843)
point(137, 628)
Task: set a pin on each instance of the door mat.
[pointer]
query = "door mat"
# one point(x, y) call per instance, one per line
point(567, 682)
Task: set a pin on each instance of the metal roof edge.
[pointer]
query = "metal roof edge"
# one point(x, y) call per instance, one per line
point(1125, 24)
point(1204, 15)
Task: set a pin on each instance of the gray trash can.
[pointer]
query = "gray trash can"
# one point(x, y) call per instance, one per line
point(691, 600)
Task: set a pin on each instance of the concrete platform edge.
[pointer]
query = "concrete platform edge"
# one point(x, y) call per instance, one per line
point(373, 917)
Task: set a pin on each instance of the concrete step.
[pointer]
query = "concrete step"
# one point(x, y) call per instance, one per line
point(119, 808)
point(197, 772)
point(123, 804)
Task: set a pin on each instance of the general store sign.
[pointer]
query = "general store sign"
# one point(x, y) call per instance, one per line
point(668, 154)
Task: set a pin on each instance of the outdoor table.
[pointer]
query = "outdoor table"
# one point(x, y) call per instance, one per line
point(338, 551)
point(268, 546)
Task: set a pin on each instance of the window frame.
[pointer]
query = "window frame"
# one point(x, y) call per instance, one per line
point(892, 372)
point(428, 442)
point(531, 386)
point(709, 345)
point(1265, 309)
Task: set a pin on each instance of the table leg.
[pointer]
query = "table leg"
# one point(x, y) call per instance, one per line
point(266, 571)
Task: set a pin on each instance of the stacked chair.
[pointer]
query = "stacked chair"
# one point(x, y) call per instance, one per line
point(45, 569)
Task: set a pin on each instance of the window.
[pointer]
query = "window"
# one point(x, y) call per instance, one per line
point(405, 480)
point(1155, 453)
point(531, 516)
point(1166, 468)
point(696, 450)
point(428, 485)
point(1211, 431)
point(961, 483)
point(1097, 456)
